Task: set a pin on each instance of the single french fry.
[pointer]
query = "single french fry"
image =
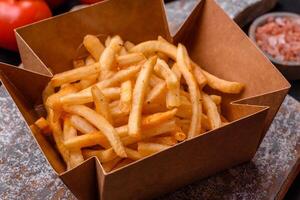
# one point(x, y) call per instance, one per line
point(150, 148)
point(101, 104)
point(164, 140)
point(81, 124)
point(216, 99)
point(88, 140)
point(126, 96)
point(157, 118)
point(53, 101)
point(75, 74)
point(116, 112)
point(157, 93)
point(119, 77)
point(155, 46)
point(212, 111)
point(134, 121)
point(179, 136)
point(101, 123)
point(84, 97)
point(43, 125)
point(108, 166)
point(183, 61)
point(93, 46)
point(58, 137)
point(70, 132)
point(200, 78)
point(130, 59)
point(205, 122)
point(128, 45)
point(49, 151)
point(223, 85)
point(151, 132)
point(78, 63)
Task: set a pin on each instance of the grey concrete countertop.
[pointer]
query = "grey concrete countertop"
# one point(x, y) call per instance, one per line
point(25, 174)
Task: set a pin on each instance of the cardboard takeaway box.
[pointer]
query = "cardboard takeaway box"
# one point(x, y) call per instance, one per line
point(214, 41)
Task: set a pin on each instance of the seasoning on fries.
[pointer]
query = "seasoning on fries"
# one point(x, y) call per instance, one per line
point(126, 101)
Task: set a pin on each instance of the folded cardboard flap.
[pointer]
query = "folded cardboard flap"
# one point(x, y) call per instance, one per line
point(55, 41)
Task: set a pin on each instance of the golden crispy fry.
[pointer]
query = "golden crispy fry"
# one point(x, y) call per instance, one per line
point(49, 151)
point(179, 136)
point(158, 118)
point(157, 94)
point(183, 61)
point(130, 59)
point(216, 99)
point(74, 74)
point(58, 137)
point(101, 123)
point(93, 46)
point(81, 124)
point(223, 85)
point(53, 101)
point(212, 111)
point(70, 132)
point(134, 121)
point(165, 140)
point(43, 125)
point(151, 132)
point(126, 96)
point(201, 79)
point(87, 140)
point(153, 46)
point(78, 63)
point(85, 96)
point(120, 76)
point(101, 103)
point(128, 45)
point(150, 148)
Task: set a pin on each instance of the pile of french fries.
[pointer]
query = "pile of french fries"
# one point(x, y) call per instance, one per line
point(124, 102)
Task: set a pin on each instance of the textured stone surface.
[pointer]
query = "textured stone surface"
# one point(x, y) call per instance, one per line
point(25, 174)
point(242, 11)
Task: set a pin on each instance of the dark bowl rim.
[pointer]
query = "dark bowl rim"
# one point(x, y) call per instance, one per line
point(260, 20)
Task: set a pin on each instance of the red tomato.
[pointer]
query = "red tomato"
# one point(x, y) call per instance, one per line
point(89, 1)
point(16, 13)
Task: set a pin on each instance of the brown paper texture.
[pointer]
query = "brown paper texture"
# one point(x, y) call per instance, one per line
point(213, 40)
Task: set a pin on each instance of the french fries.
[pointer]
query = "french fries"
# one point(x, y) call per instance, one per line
point(93, 46)
point(135, 116)
point(185, 68)
point(124, 102)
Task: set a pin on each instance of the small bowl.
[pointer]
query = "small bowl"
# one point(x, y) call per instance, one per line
point(290, 69)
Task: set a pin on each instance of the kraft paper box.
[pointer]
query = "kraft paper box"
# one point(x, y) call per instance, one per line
point(213, 40)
